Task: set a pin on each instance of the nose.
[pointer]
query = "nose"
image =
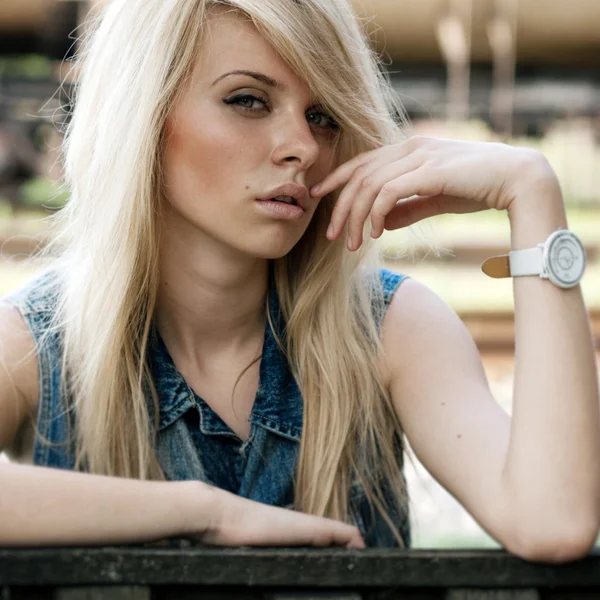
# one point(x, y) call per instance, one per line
point(295, 144)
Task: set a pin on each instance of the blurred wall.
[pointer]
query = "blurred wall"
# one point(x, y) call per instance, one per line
point(548, 31)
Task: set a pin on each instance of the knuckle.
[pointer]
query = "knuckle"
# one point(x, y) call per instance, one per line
point(361, 171)
point(432, 160)
point(367, 182)
point(377, 212)
point(421, 140)
point(356, 173)
point(389, 188)
point(426, 172)
point(414, 142)
point(339, 213)
point(354, 227)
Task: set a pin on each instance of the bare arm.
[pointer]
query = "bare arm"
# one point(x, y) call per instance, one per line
point(41, 506)
point(532, 482)
point(552, 470)
point(52, 507)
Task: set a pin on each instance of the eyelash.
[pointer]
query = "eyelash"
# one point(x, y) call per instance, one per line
point(332, 124)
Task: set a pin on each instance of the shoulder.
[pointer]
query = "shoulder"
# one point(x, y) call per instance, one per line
point(420, 328)
point(19, 378)
point(414, 305)
point(390, 282)
point(381, 285)
point(26, 354)
point(37, 296)
point(17, 349)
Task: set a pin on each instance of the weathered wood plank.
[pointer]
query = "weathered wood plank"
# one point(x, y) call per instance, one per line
point(314, 595)
point(190, 592)
point(290, 568)
point(103, 593)
point(28, 593)
point(407, 594)
point(570, 594)
point(469, 594)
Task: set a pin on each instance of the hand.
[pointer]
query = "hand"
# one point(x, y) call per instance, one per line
point(400, 184)
point(242, 522)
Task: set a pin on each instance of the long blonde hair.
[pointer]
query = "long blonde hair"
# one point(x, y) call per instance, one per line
point(136, 61)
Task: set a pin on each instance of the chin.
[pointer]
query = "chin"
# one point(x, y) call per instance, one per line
point(272, 249)
point(274, 253)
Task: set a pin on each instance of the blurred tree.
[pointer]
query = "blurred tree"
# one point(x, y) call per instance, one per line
point(19, 162)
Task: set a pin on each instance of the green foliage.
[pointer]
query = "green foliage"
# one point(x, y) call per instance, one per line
point(34, 66)
point(43, 193)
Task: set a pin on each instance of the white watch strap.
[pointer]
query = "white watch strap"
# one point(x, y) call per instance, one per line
point(526, 262)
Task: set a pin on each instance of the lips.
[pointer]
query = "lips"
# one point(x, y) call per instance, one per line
point(298, 192)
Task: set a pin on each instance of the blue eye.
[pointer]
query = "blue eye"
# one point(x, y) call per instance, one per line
point(247, 102)
point(326, 120)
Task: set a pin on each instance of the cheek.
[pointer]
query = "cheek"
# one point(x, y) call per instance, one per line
point(328, 161)
point(204, 156)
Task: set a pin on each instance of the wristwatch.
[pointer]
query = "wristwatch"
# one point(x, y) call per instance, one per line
point(561, 259)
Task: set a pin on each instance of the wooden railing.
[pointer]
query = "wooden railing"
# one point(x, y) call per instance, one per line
point(135, 573)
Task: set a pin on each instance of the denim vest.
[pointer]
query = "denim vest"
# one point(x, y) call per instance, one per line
point(193, 442)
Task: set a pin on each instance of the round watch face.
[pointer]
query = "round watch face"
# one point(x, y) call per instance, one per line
point(565, 259)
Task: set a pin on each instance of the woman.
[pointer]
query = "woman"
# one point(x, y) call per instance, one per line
point(211, 343)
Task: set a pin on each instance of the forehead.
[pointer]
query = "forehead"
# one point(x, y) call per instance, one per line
point(232, 43)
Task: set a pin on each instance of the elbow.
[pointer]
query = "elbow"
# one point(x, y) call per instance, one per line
point(553, 545)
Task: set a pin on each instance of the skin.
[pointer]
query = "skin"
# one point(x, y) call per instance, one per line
point(539, 499)
point(532, 481)
point(218, 159)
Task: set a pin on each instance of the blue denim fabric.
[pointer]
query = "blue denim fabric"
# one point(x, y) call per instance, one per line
point(193, 442)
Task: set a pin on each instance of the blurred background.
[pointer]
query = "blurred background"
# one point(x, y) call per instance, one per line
point(525, 72)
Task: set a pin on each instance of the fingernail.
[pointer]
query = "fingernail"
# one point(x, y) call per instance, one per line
point(330, 230)
point(315, 189)
point(349, 243)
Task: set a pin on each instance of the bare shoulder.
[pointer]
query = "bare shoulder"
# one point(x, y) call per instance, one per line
point(420, 328)
point(19, 380)
point(430, 360)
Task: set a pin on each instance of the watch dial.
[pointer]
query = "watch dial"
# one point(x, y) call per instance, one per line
point(566, 259)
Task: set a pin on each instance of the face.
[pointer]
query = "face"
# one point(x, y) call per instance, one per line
point(234, 138)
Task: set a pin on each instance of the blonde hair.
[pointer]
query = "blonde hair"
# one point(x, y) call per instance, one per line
point(137, 60)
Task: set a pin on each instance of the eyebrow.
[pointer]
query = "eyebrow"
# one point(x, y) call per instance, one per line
point(258, 76)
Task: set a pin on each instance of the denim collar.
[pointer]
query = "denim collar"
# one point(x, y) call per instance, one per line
point(278, 403)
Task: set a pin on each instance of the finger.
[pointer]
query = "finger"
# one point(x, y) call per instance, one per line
point(356, 542)
point(419, 182)
point(302, 529)
point(415, 209)
point(343, 173)
point(364, 186)
point(367, 191)
point(348, 197)
point(342, 534)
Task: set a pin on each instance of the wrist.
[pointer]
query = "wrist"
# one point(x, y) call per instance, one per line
point(201, 508)
point(537, 210)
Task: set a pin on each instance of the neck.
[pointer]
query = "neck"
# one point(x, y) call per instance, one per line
point(211, 298)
